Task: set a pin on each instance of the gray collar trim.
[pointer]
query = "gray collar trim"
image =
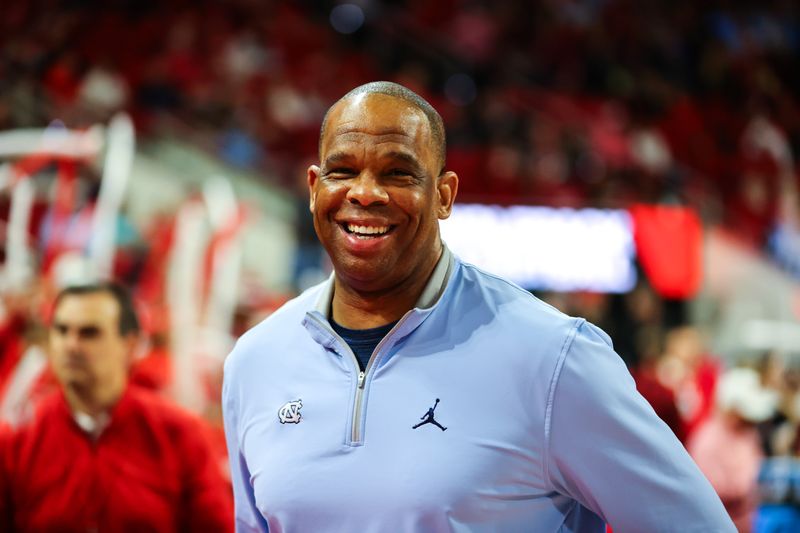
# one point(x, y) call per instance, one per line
point(430, 294)
point(438, 280)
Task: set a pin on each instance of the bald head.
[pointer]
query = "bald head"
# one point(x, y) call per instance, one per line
point(400, 92)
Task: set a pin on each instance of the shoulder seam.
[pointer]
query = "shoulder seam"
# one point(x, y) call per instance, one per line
point(496, 277)
point(551, 393)
point(512, 285)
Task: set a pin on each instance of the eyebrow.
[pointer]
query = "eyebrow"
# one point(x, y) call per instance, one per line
point(335, 159)
point(82, 329)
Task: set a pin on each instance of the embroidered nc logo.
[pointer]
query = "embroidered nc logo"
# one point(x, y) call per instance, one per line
point(289, 413)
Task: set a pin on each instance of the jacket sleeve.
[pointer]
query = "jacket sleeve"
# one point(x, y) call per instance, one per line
point(607, 449)
point(247, 516)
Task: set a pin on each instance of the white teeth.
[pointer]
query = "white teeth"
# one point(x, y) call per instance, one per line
point(367, 230)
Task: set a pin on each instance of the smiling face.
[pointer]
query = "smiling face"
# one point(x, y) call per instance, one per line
point(378, 194)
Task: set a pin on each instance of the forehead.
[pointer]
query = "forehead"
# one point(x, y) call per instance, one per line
point(377, 119)
point(95, 308)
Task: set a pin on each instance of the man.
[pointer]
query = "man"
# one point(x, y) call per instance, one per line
point(545, 431)
point(727, 447)
point(100, 455)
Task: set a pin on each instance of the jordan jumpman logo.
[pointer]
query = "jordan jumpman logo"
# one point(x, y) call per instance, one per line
point(427, 418)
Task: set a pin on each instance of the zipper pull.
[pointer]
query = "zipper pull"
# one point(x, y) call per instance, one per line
point(361, 376)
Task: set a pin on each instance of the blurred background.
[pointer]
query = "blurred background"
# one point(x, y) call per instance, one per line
point(629, 162)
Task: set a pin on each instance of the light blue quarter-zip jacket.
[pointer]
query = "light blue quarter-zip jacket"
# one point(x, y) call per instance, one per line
point(483, 410)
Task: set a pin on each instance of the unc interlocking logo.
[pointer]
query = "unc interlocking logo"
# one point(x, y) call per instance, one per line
point(289, 413)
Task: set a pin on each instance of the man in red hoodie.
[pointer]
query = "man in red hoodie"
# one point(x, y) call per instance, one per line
point(101, 455)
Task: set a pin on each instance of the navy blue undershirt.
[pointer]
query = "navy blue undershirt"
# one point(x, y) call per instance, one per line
point(362, 341)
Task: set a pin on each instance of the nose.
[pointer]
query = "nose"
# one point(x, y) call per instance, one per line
point(367, 190)
point(71, 341)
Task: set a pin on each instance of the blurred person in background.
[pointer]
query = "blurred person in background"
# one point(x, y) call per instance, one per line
point(660, 397)
point(779, 475)
point(100, 455)
point(414, 392)
point(22, 349)
point(778, 432)
point(691, 372)
point(727, 446)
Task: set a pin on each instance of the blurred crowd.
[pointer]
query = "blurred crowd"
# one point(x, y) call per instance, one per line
point(740, 420)
point(567, 103)
point(581, 102)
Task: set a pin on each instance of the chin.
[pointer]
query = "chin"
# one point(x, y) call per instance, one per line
point(362, 273)
point(370, 266)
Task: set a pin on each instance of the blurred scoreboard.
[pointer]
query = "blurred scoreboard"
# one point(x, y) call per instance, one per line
point(544, 248)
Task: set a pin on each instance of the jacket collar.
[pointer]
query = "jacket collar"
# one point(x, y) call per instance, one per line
point(94, 427)
point(430, 294)
point(317, 320)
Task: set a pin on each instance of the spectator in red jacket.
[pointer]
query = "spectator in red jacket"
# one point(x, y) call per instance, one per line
point(100, 455)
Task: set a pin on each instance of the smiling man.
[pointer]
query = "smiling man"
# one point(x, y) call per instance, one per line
point(414, 392)
point(376, 199)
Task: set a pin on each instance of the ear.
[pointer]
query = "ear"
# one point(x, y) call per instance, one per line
point(312, 177)
point(446, 190)
point(133, 348)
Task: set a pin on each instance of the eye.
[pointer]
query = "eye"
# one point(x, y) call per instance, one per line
point(399, 172)
point(89, 332)
point(402, 176)
point(341, 173)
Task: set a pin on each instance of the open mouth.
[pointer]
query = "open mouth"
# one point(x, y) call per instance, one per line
point(366, 232)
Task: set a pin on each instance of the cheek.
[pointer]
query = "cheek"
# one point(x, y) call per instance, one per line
point(109, 361)
point(413, 202)
point(55, 360)
point(55, 346)
point(419, 206)
point(96, 353)
point(329, 194)
point(322, 213)
point(57, 353)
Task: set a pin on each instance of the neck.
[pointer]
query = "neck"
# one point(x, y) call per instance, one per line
point(92, 402)
point(356, 309)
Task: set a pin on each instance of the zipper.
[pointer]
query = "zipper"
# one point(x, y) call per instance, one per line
point(355, 431)
point(355, 434)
